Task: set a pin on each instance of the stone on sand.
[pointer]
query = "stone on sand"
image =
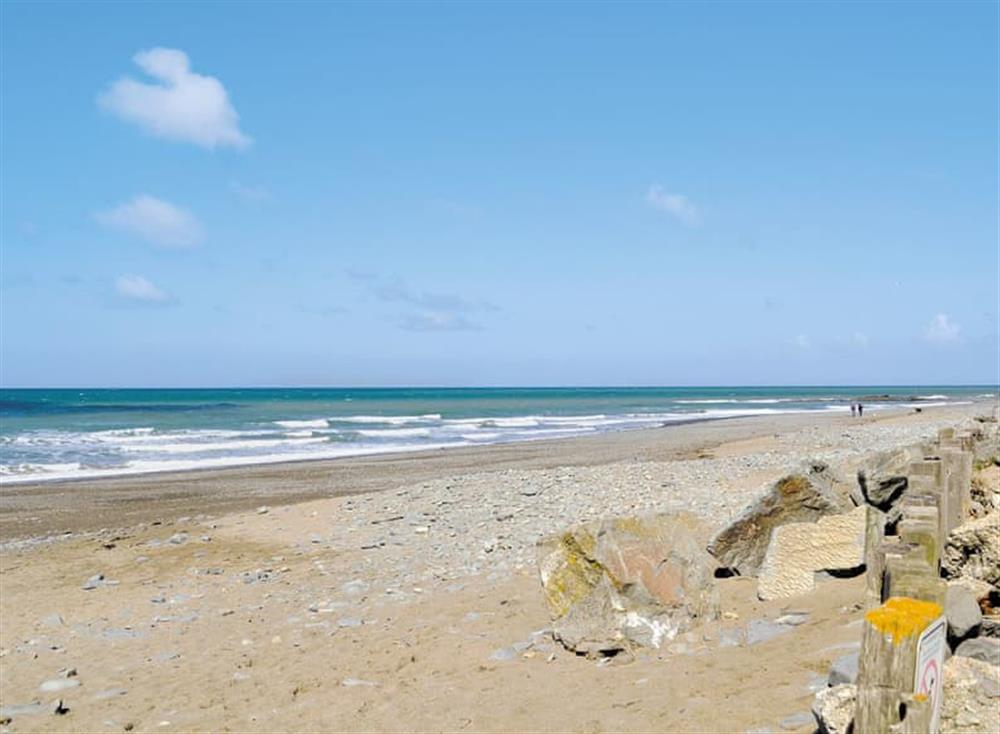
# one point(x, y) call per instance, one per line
point(844, 669)
point(834, 708)
point(615, 583)
point(962, 611)
point(805, 496)
point(799, 549)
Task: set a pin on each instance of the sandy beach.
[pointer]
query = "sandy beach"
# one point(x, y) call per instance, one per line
point(400, 593)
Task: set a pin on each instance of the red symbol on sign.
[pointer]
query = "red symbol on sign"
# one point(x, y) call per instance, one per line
point(928, 679)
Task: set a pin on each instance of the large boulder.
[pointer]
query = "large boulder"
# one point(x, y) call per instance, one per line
point(799, 549)
point(971, 697)
point(882, 477)
point(802, 497)
point(962, 610)
point(972, 550)
point(618, 583)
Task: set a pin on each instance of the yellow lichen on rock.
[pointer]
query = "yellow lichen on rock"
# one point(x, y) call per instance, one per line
point(902, 617)
point(574, 575)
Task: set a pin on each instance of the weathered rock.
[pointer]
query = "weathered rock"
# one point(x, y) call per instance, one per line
point(834, 708)
point(882, 477)
point(802, 497)
point(762, 630)
point(973, 550)
point(616, 583)
point(799, 549)
point(844, 669)
point(986, 649)
point(971, 698)
point(962, 611)
point(990, 626)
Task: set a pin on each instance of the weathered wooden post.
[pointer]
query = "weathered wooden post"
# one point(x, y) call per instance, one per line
point(874, 556)
point(899, 671)
point(958, 482)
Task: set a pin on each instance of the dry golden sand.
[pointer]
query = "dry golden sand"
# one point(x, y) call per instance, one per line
point(182, 643)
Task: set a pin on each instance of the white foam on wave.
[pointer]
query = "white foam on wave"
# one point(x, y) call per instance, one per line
point(388, 419)
point(394, 432)
point(318, 423)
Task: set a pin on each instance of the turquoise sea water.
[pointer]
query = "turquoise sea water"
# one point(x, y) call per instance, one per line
point(63, 434)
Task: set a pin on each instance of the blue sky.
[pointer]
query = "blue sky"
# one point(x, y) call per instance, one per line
point(505, 194)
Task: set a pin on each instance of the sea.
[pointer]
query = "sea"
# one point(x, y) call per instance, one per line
point(83, 433)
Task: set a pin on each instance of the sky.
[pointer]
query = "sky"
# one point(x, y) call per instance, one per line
point(239, 194)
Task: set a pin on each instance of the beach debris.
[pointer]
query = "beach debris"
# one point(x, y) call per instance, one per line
point(258, 575)
point(352, 682)
point(94, 582)
point(798, 550)
point(844, 669)
point(962, 610)
point(833, 708)
point(805, 496)
point(58, 708)
point(263, 510)
point(986, 649)
point(614, 583)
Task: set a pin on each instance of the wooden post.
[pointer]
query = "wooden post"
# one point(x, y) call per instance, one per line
point(917, 715)
point(926, 479)
point(874, 556)
point(958, 484)
point(887, 665)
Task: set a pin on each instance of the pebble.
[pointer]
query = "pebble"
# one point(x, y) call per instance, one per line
point(349, 622)
point(21, 709)
point(350, 682)
point(178, 539)
point(94, 582)
point(263, 510)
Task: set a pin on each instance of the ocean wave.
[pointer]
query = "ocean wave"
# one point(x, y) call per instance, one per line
point(388, 419)
point(318, 423)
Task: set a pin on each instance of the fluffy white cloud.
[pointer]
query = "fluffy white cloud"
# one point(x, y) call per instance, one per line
point(676, 205)
point(155, 220)
point(942, 330)
point(179, 105)
point(137, 288)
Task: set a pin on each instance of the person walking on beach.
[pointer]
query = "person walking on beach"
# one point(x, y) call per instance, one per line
point(861, 410)
point(854, 410)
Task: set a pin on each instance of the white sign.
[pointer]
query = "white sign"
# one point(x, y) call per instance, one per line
point(930, 662)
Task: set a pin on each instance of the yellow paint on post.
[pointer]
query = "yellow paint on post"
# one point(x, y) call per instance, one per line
point(903, 617)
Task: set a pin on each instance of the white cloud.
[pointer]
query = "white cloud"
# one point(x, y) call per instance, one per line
point(942, 330)
point(437, 321)
point(677, 205)
point(155, 220)
point(137, 288)
point(180, 105)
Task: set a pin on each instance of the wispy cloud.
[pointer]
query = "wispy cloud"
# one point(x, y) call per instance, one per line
point(180, 105)
point(250, 194)
point(429, 311)
point(942, 330)
point(155, 220)
point(676, 205)
point(136, 288)
point(437, 321)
